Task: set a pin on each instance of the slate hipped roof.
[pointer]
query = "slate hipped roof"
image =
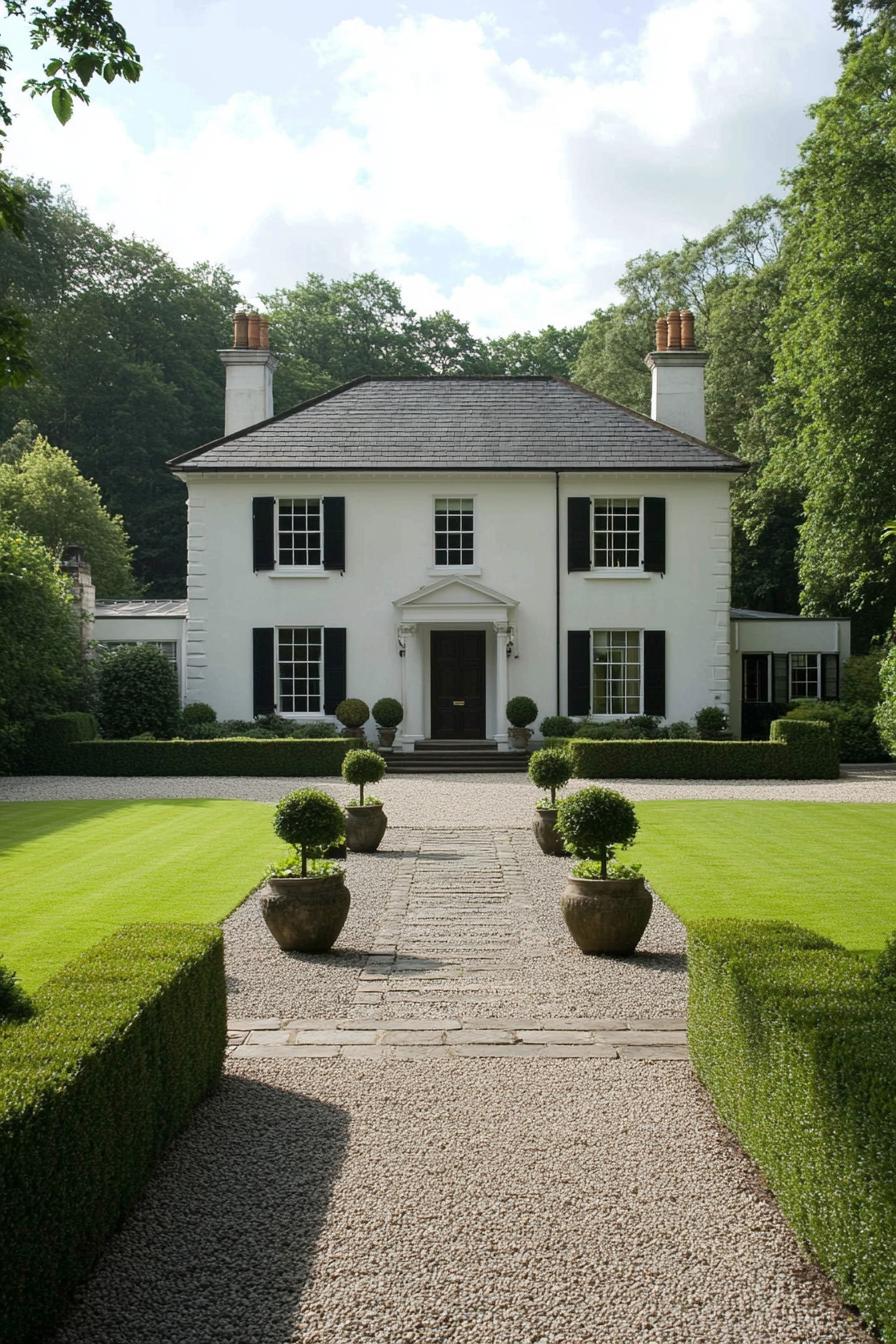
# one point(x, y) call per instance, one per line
point(458, 423)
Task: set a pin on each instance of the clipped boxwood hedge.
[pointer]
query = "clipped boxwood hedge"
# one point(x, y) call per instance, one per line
point(796, 751)
point(220, 756)
point(50, 737)
point(793, 1037)
point(123, 1044)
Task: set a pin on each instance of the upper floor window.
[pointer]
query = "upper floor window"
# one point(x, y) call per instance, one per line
point(299, 533)
point(616, 671)
point(454, 532)
point(617, 533)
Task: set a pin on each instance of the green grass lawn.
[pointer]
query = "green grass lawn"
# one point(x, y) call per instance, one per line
point(828, 866)
point(72, 872)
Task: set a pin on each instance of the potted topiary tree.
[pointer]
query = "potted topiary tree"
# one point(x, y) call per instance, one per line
point(606, 905)
point(521, 711)
point(549, 769)
point(365, 822)
point(352, 714)
point(387, 715)
point(307, 901)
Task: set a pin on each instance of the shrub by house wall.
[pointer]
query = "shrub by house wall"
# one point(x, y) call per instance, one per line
point(793, 1038)
point(122, 1045)
point(796, 751)
point(220, 756)
point(49, 739)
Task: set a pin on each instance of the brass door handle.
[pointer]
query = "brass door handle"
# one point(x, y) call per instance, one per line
point(459, 703)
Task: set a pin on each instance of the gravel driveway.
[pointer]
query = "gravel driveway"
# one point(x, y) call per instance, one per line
point(459, 1202)
point(458, 800)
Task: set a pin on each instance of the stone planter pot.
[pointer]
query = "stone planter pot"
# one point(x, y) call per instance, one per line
point(364, 827)
point(550, 842)
point(386, 736)
point(353, 732)
point(518, 737)
point(306, 914)
point(606, 916)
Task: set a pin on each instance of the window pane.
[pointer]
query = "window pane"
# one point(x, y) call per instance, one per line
point(299, 532)
point(299, 669)
point(804, 679)
point(616, 672)
point(617, 533)
point(454, 532)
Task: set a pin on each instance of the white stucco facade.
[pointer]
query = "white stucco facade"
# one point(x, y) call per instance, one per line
point(391, 595)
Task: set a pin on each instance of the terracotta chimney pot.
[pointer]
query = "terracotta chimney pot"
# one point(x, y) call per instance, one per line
point(264, 340)
point(252, 322)
point(240, 334)
point(674, 329)
point(661, 333)
point(687, 329)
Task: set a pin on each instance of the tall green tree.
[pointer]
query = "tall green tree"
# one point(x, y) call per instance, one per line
point(42, 492)
point(553, 351)
point(830, 416)
point(127, 343)
point(40, 643)
point(87, 42)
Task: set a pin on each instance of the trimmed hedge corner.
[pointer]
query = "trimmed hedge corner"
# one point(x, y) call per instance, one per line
point(123, 1044)
point(793, 1038)
point(796, 751)
point(50, 737)
point(281, 757)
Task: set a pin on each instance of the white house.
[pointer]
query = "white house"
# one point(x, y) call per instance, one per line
point(454, 541)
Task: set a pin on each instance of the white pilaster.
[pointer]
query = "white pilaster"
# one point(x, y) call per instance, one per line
point(503, 634)
point(411, 686)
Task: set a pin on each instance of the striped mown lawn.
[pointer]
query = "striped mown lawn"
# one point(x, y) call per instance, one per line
point(71, 872)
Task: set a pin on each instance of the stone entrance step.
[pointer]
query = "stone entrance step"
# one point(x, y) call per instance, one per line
point(457, 757)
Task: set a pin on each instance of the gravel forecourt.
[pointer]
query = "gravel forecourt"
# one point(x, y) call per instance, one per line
point(424, 1197)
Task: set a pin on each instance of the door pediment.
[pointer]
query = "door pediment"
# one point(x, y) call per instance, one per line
point(456, 598)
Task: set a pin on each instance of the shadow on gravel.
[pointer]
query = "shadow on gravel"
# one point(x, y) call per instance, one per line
point(222, 1244)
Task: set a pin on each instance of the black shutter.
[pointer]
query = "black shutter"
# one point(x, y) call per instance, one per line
point(262, 534)
point(578, 671)
point(654, 535)
point(781, 690)
point(334, 668)
point(263, 670)
point(578, 538)
point(334, 533)
point(655, 672)
point(830, 676)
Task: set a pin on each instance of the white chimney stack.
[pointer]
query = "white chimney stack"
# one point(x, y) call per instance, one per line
point(676, 366)
point(249, 389)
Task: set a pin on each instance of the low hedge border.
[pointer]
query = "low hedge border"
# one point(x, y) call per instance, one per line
point(793, 1038)
point(220, 756)
point(123, 1044)
point(797, 750)
point(50, 737)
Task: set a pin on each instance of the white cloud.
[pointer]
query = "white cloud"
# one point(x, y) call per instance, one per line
point(546, 181)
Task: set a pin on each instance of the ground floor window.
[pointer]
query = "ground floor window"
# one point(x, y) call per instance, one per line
point(299, 669)
point(756, 681)
point(616, 660)
point(805, 676)
point(166, 646)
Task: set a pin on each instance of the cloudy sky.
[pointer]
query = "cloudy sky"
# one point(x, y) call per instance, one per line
point(503, 164)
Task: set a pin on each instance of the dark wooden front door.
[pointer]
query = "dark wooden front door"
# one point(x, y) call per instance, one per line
point(458, 683)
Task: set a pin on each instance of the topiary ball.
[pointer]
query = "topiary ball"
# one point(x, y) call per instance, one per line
point(550, 769)
point(594, 822)
point(362, 767)
point(521, 711)
point(197, 712)
point(352, 713)
point(558, 725)
point(387, 713)
point(309, 819)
